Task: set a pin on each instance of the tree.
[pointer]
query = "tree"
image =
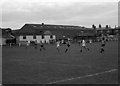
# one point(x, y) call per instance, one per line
point(99, 25)
point(93, 26)
point(107, 26)
point(42, 24)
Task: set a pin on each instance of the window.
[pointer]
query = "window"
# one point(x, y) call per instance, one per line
point(24, 37)
point(34, 37)
point(51, 36)
point(42, 36)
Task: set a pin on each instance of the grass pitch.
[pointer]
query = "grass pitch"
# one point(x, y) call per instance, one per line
point(30, 66)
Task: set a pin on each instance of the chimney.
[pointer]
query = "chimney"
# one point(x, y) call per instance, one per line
point(93, 26)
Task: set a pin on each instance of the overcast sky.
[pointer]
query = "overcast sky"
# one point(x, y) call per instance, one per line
point(16, 13)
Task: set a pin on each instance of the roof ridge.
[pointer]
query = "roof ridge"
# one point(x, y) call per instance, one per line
point(52, 25)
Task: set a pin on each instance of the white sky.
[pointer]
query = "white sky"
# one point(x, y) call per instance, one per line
point(16, 13)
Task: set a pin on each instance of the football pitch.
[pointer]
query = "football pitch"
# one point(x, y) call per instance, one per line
point(30, 66)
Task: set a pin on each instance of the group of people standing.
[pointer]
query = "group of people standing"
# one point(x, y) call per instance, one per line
point(67, 43)
point(36, 45)
point(83, 45)
point(58, 44)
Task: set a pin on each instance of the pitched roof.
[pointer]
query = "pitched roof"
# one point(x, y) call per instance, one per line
point(39, 29)
point(28, 29)
point(87, 34)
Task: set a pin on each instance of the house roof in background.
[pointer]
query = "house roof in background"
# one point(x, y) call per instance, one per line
point(5, 34)
point(104, 28)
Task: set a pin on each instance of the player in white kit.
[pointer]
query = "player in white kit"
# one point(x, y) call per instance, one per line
point(27, 44)
point(84, 45)
point(58, 45)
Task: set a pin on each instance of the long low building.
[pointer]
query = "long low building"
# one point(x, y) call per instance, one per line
point(46, 32)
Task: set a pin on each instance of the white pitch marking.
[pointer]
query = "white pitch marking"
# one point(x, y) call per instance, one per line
point(82, 76)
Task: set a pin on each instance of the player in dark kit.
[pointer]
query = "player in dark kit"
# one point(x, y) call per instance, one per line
point(68, 45)
point(102, 45)
point(42, 46)
point(35, 44)
point(79, 42)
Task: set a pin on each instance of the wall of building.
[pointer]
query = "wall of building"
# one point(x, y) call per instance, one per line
point(38, 38)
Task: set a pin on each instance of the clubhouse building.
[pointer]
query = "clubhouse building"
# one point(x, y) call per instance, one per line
point(47, 33)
